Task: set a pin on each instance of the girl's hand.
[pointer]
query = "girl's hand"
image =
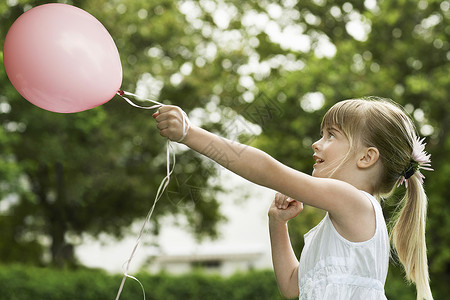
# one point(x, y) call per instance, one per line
point(169, 120)
point(284, 208)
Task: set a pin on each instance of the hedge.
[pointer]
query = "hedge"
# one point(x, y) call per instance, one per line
point(18, 282)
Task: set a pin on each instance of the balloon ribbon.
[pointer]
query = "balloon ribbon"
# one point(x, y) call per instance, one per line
point(161, 188)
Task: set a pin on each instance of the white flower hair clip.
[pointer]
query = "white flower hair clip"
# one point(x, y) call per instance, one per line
point(420, 159)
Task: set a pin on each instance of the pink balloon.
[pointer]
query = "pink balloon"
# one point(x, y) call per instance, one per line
point(62, 59)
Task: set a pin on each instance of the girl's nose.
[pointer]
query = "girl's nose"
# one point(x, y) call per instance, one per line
point(315, 145)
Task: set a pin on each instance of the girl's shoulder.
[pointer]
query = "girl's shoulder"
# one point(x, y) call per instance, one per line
point(357, 222)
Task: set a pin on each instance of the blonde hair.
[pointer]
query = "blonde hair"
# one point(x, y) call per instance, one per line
point(381, 123)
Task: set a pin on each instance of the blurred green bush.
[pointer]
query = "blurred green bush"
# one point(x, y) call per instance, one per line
point(19, 282)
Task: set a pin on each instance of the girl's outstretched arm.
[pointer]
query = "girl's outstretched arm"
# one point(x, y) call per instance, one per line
point(285, 264)
point(260, 168)
point(246, 161)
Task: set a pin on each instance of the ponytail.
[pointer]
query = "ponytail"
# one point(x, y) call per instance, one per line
point(408, 236)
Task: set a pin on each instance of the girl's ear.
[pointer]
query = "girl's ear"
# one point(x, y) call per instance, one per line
point(369, 157)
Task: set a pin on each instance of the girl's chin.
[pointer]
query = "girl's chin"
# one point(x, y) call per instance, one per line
point(319, 174)
point(315, 173)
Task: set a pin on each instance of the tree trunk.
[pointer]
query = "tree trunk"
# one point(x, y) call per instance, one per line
point(62, 253)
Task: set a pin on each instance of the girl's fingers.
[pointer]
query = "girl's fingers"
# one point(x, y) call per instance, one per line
point(165, 108)
point(162, 125)
point(282, 201)
point(285, 208)
point(169, 110)
point(161, 116)
point(164, 133)
point(279, 199)
point(300, 206)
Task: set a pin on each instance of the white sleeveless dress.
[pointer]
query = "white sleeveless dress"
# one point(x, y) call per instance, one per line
point(334, 268)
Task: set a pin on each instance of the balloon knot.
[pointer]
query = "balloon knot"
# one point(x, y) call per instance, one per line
point(121, 93)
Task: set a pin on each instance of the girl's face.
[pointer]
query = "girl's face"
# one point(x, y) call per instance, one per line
point(329, 152)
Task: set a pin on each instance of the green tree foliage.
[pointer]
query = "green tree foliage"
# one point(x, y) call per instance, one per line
point(279, 64)
point(97, 171)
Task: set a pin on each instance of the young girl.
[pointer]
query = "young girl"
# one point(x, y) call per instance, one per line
point(367, 148)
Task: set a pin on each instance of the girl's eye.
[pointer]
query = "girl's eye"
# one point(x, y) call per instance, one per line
point(327, 134)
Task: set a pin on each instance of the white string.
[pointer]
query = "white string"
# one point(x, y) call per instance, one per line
point(122, 93)
point(161, 188)
point(185, 120)
point(186, 126)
